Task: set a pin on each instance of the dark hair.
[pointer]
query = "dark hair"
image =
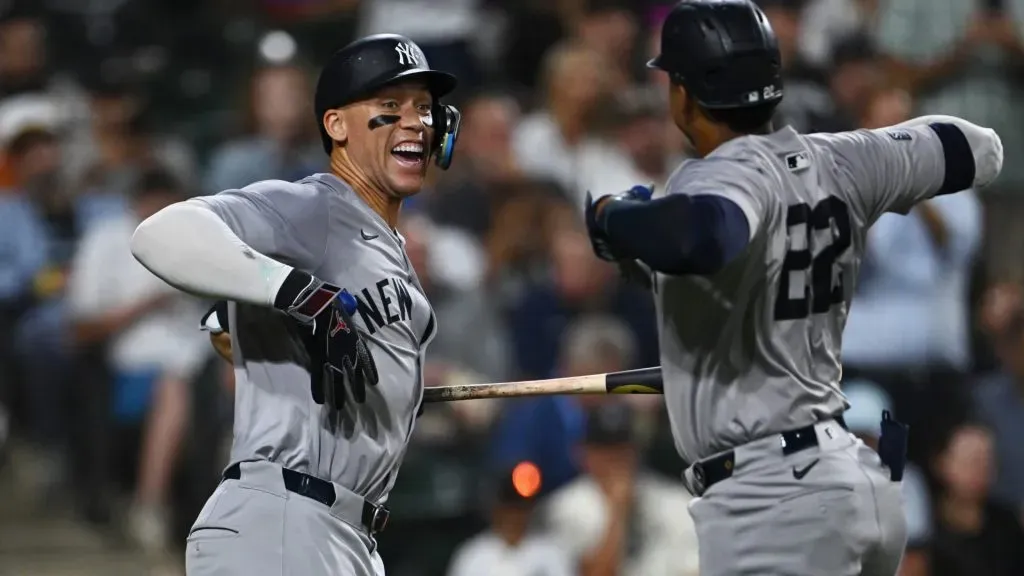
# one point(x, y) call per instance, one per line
point(157, 181)
point(852, 49)
point(746, 120)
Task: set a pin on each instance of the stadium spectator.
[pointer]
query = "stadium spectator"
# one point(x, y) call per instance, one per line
point(576, 284)
point(450, 266)
point(617, 518)
point(155, 347)
point(910, 315)
point(824, 23)
point(973, 535)
point(527, 214)
point(469, 193)
point(556, 140)
point(280, 141)
point(961, 58)
point(867, 401)
point(855, 77)
point(23, 62)
point(40, 223)
point(446, 30)
point(508, 547)
point(638, 147)
point(553, 425)
point(119, 145)
point(999, 397)
point(610, 28)
point(808, 105)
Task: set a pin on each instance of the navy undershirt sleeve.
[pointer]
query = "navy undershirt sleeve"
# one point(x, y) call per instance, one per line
point(677, 234)
point(959, 158)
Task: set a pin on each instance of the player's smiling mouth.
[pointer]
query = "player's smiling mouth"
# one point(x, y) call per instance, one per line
point(409, 154)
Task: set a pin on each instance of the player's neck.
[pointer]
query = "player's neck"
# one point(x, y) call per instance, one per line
point(385, 205)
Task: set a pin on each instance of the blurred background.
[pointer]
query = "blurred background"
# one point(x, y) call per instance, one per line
point(115, 416)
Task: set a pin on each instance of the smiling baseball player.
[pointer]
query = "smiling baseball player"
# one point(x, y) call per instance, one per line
point(328, 381)
point(755, 249)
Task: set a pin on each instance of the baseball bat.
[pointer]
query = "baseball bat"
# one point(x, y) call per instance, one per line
point(642, 381)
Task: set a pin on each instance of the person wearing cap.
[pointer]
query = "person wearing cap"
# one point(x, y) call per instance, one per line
point(328, 381)
point(40, 227)
point(153, 350)
point(511, 545)
point(617, 518)
point(867, 401)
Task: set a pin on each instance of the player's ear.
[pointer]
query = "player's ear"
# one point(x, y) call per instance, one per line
point(334, 124)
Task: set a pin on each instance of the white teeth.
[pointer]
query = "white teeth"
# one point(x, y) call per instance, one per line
point(409, 147)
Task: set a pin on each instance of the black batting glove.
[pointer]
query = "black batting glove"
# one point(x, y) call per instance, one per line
point(631, 271)
point(599, 239)
point(340, 363)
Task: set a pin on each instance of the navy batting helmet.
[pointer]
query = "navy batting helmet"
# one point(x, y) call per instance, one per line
point(723, 52)
point(369, 64)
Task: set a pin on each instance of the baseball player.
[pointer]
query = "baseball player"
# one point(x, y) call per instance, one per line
point(328, 380)
point(755, 247)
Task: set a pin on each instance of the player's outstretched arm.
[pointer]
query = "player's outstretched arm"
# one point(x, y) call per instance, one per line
point(217, 246)
point(191, 248)
point(892, 169)
point(676, 234)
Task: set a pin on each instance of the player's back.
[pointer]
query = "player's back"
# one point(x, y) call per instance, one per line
point(755, 348)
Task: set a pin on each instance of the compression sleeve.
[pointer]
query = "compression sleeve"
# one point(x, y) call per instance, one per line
point(192, 249)
point(677, 234)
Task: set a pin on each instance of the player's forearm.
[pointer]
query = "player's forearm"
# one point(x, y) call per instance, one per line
point(677, 234)
point(192, 249)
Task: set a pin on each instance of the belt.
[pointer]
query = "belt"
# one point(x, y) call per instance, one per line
point(374, 517)
point(720, 467)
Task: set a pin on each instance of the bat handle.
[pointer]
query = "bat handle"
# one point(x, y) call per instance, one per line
point(642, 381)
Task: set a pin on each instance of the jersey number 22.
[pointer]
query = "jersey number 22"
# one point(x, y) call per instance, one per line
point(821, 292)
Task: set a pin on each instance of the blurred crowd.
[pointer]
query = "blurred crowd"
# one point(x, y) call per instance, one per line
point(111, 110)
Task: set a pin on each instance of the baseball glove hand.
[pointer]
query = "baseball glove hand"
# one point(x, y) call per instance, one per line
point(338, 357)
point(630, 270)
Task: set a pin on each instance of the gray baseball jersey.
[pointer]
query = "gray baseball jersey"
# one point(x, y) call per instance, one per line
point(755, 348)
point(318, 225)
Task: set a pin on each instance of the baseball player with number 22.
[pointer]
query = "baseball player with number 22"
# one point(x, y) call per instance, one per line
point(755, 247)
point(325, 399)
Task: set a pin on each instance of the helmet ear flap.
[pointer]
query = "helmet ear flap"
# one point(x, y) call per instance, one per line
point(447, 120)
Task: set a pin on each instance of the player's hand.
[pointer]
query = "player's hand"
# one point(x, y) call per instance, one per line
point(598, 236)
point(340, 363)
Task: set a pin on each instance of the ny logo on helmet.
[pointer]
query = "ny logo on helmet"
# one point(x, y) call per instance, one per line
point(408, 55)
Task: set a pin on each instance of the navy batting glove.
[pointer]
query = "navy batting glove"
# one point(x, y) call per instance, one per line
point(596, 226)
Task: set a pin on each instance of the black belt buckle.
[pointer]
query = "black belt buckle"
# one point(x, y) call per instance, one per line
point(892, 445)
point(375, 518)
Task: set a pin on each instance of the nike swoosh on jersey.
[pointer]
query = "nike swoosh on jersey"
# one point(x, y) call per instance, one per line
point(799, 474)
point(368, 236)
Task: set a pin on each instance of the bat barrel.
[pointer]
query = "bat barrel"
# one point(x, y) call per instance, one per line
point(642, 381)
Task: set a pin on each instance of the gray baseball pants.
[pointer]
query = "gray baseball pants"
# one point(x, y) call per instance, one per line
point(826, 510)
point(255, 527)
